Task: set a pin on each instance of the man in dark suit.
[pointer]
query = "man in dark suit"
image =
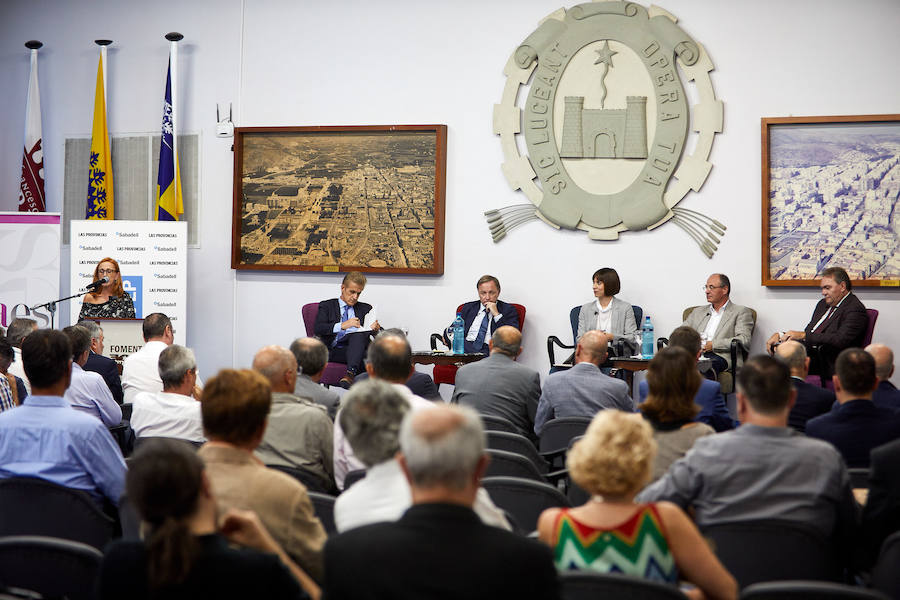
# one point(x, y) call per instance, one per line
point(98, 363)
point(857, 425)
point(839, 321)
point(338, 323)
point(483, 316)
point(886, 395)
point(439, 548)
point(881, 513)
point(713, 410)
point(812, 400)
point(500, 386)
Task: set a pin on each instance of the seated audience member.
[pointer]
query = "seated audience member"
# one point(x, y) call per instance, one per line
point(673, 380)
point(839, 321)
point(812, 400)
point(420, 384)
point(46, 439)
point(763, 469)
point(371, 418)
point(856, 425)
point(17, 331)
point(606, 313)
point(500, 386)
point(87, 391)
point(613, 534)
point(299, 433)
point(442, 548)
point(881, 512)
point(390, 360)
point(98, 363)
point(338, 322)
point(186, 553)
point(174, 412)
point(720, 322)
point(140, 371)
point(312, 356)
point(709, 397)
point(235, 406)
point(480, 317)
point(16, 385)
point(885, 395)
point(583, 390)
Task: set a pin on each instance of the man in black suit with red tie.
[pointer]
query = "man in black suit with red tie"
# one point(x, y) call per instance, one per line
point(839, 321)
point(483, 316)
point(338, 323)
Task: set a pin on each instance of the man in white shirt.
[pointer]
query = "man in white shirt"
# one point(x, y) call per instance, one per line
point(720, 321)
point(140, 371)
point(172, 412)
point(87, 390)
point(17, 331)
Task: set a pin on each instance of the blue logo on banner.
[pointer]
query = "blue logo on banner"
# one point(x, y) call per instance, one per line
point(134, 287)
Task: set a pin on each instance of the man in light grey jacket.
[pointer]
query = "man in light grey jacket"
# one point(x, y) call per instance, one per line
point(721, 321)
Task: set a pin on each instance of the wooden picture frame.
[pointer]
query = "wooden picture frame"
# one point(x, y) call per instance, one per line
point(340, 198)
point(830, 187)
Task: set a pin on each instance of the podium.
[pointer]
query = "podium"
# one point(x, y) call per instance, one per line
point(121, 337)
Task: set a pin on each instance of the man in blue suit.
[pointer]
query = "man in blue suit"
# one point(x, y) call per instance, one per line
point(103, 365)
point(856, 426)
point(812, 400)
point(486, 314)
point(709, 398)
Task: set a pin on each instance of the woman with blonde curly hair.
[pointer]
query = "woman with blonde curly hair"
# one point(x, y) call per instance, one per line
point(108, 301)
point(612, 534)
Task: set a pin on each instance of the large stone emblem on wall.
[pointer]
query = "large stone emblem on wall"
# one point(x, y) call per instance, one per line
point(605, 121)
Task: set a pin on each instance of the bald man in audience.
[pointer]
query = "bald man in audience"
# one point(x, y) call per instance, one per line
point(812, 400)
point(886, 394)
point(583, 390)
point(857, 425)
point(299, 434)
point(439, 548)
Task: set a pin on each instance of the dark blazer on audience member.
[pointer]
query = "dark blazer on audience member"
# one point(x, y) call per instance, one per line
point(886, 396)
point(713, 410)
point(109, 371)
point(420, 384)
point(812, 401)
point(881, 513)
point(437, 551)
point(846, 328)
point(854, 428)
point(330, 313)
point(470, 310)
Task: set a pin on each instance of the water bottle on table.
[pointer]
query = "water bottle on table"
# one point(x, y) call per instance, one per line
point(647, 338)
point(458, 335)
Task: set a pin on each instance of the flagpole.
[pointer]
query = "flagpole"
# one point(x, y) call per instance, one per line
point(103, 44)
point(31, 188)
point(174, 37)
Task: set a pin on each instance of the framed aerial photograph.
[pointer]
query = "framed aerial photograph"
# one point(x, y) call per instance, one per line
point(830, 189)
point(354, 198)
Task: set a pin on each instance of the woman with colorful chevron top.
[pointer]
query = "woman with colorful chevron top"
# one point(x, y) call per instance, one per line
point(612, 534)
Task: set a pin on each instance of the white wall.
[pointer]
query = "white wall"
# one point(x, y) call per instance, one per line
point(399, 61)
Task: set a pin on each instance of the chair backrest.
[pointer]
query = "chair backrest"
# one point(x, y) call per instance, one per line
point(573, 320)
point(138, 442)
point(886, 575)
point(801, 590)
point(52, 567)
point(34, 507)
point(859, 478)
point(870, 328)
point(353, 476)
point(310, 480)
point(323, 505)
point(557, 433)
point(513, 442)
point(774, 550)
point(310, 312)
point(590, 585)
point(523, 498)
point(495, 423)
point(510, 464)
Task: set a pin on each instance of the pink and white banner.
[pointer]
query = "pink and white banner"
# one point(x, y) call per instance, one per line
point(31, 188)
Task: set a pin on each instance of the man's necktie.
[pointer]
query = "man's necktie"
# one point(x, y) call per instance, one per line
point(825, 320)
point(482, 331)
point(345, 314)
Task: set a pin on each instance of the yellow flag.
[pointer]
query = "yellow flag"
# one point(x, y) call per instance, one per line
point(100, 176)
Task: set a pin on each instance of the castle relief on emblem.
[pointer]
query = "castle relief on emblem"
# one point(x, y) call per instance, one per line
point(604, 118)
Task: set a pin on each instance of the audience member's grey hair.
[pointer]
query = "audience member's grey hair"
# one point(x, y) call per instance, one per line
point(19, 329)
point(174, 362)
point(93, 328)
point(370, 419)
point(442, 458)
point(792, 354)
point(311, 355)
point(500, 342)
point(392, 331)
point(273, 361)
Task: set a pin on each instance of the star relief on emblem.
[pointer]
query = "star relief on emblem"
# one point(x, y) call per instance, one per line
point(605, 120)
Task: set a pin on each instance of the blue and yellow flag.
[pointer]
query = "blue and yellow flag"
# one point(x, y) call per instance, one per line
point(169, 205)
point(100, 176)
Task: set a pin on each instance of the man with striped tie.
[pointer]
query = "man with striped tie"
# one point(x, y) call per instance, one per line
point(483, 316)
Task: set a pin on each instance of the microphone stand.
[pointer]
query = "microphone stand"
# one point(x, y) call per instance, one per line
point(51, 306)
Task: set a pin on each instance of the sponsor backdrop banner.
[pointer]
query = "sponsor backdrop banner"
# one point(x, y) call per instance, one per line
point(152, 257)
point(29, 265)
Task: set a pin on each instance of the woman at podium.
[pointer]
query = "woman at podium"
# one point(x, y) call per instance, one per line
point(107, 300)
